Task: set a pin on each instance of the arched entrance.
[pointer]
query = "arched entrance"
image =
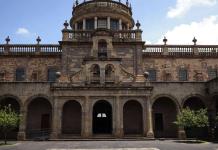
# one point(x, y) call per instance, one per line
point(195, 103)
point(215, 125)
point(39, 116)
point(15, 106)
point(102, 118)
point(164, 115)
point(72, 118)
point(132, 118)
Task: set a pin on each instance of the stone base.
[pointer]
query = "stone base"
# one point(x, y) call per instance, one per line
point(181, 135)
point(150, 134)
point(21, 136)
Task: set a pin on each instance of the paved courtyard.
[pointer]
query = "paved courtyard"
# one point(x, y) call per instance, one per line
point(110, 145)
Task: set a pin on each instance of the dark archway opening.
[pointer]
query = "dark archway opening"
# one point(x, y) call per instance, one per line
point(102, 118)
point(195, 103)
point(132, 118)
point(72, 118)
point(164, 115)
point(15, 106)
point(215, 124)
point(39, 117)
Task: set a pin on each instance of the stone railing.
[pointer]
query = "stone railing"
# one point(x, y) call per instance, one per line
point(121, 35)
point(8, 49)
point(181, 50)
point(104, 3)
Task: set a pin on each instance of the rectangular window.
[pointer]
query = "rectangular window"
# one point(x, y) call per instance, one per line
point(90, 25)
point(114, 24)
point(183, 75)
point(80, 26)
point(102, 23)
point(52, 74)
point(212, 73)
point(20, 74)
point(152, 75)
point(159, 122)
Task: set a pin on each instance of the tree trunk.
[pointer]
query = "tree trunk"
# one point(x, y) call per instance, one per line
point(5, 136)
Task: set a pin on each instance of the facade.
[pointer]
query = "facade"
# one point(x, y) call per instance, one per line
point(103, 81)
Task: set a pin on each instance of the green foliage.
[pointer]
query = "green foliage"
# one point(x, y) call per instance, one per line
point(190, 118)
point(8, 120)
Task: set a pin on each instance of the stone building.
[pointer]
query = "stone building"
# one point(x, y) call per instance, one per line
point(103, 81)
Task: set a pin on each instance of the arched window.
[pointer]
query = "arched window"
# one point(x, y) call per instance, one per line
point(102, 49)
point(109, 73)
point(95, 73)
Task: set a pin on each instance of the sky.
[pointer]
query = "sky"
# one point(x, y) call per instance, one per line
point(179, 20)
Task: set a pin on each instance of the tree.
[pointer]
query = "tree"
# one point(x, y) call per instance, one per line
point(9, 120)
point(191, 119)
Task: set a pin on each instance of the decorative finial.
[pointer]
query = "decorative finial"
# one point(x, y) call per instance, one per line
point(77, 2)
point(194, 41)
point(127, 2)
point(165, 41)
point(138, 25)
point(130, 6)
point(7, 40)
point(66, 24)
point(119, 1)
point(38, 40)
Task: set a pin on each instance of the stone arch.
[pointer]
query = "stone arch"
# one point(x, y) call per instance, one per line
point(95, 73)
point(133, 118)
point(72, 117)
point(39, 117)
point(194, 101)
point(178, 106)
point(164, 114)
point(30, 99)
point(102, 115)
point(15, 104)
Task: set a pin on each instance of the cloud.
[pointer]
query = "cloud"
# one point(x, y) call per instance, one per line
point(183, 6)
point(22, 31)
point(206, 32)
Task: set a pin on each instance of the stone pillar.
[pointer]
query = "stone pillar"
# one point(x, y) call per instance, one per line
point(96, 22)
point(22, 127)
point(118, 122)
point(150, 133)
point(56, 120)
point(181, 131)
point(86, 119)
point(120, 24)
point(76, 26)
point(108, 23)
point(128, 26)
point(84, 24)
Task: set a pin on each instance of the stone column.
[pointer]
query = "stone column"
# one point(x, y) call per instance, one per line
point(128, 26)
point(181, 131)
point(76, 26)
point(108, 23)
point(56, 120)
point(84, 24)
point(118, 122)
point(22, 127)
point(96, 22)
point(150, 133)
point(120, 24)
point(86, 119)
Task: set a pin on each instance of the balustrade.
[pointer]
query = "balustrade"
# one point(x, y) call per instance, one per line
point(30, 49)
point(181, 50)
